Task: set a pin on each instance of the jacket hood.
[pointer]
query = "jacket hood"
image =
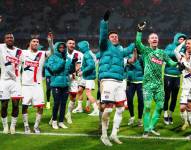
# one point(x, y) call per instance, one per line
point(83, 46)
point(177, 36)
point(56, 46)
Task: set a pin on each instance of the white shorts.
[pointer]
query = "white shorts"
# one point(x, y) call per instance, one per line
point(90, 84)
point(125, 84)
point(81, 82)
point(10, 89)
point(185, 95)
point(33, 95)
point(112, 91)
point(74, 86)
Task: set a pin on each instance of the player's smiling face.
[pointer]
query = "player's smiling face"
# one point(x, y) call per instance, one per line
point(114, 38)
point(153, 40)
point(34, 44)
point(9, 40)
point(70, 45)
point(188, 46)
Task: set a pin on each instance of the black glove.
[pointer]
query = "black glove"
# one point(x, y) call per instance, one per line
point(63, 55)
point(141, 26)
point(75, 58)
point(181, 66)
point(106, 15)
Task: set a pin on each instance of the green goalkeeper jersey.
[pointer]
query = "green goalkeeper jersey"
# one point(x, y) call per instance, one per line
point(153, 61)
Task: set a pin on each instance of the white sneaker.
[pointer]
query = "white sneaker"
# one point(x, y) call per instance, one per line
point(77, 110)
point(50, 122)
point(12, 130)
point(145, 134)
point(36, 130)
point(54, 125)
point(6, 130)
point(115, 139)
point(166, 120)
point(184, 126)
point(68, 118)
point(94, 113)
point(62, 125)
point(131, 121)
point(105, 140)
point(27, 130)
point(155, 132)
point(140, 123)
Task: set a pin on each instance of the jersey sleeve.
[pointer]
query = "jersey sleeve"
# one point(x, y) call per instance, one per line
point(168, 60)
point(140, 46)
point(48, 53)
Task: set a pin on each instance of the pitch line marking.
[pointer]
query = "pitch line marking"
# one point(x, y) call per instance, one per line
point(96, 135)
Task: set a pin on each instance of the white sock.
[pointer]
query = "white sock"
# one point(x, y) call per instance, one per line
point(71, 106)
point(95, 106)
point(37, 121)
point(189, 117)
point(117, 120)
point(4, 122)
point(25, 120)
point(170, 114)
point(13, 122)
point(79, 104)
point(105, 121)
point(165, 114)
point(87, 103)
point(184, 116)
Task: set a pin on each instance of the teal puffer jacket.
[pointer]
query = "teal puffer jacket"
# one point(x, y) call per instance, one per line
point(169, 50)
point(59, 68)
point(88, 62)
point(134, 72)
point(111, 64)
point(47, 72)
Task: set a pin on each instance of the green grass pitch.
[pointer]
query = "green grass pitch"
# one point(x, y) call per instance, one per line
point(84, 124)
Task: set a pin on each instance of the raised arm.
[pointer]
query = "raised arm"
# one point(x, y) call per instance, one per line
point(103, 37)
point(177, 51)
point(169, 61)
point(50, 44)
point(138, 42)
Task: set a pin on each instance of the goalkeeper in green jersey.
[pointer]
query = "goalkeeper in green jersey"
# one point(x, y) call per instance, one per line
point(152, 83)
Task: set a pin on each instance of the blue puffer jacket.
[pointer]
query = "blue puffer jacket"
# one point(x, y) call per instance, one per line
point(88, 62)
point(59, 68)
point(134, 71)
point(169, 50)
point(111, 64)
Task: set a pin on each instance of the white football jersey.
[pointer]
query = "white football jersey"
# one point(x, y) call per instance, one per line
point(80, 55)
point(186, 74)
point(10, 61)
point(33, 66)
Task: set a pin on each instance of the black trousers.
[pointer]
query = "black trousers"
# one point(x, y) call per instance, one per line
point(60, 96)
point(171, 87)
point(48, 89)
point(135, 87)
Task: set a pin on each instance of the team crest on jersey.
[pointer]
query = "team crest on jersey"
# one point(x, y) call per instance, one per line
point(32, 64)
point(157, 61)
point(12, 60)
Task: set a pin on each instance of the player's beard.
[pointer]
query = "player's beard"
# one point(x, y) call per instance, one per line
point(10, 46)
